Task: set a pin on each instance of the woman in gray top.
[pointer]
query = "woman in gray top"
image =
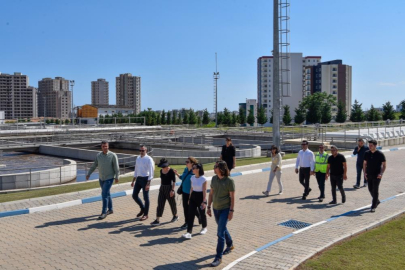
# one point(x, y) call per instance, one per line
point(275, 170)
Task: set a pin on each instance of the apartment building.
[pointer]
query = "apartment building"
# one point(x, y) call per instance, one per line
point(18, 100)
point(249, 105)
point(128, 91)
point(54, 98)
point(99, 92)
point(292, 96)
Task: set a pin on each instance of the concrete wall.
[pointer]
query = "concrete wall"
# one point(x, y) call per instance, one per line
point(55, 176)
point(243, 152)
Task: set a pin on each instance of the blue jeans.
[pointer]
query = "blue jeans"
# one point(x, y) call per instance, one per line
point(221, 217)
point(105, 194)
point(359, 170)
point(140, 183)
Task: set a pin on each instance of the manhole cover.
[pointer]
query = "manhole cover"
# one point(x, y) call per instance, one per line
point(295, 224)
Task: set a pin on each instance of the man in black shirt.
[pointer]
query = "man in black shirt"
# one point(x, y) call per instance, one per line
point(359, 151)
point(337, 170)
point(374, 167)
point(228, 154)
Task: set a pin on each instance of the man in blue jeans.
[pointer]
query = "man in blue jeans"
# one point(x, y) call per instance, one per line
point(222, 195)
point(359, 151)
point(108, 169)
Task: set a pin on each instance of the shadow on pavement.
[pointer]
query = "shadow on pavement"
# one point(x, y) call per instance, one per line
point(354, 213)
point(256, 197)
point(105, 224)
point(68, 221)
point(187, 265)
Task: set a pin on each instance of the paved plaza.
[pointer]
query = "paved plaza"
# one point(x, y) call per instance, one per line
point(73, 238)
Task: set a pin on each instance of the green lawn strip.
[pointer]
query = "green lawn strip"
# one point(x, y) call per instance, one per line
point(380, 248)
point(7, 197)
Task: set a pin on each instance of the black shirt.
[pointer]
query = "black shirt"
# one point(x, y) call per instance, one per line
point(168, 178)
point(336, 164)
point(227, 155)
point(360, 154)
point(374, 162)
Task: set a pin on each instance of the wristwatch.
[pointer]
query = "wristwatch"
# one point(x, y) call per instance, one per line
point(209, 207)
point(232, 210)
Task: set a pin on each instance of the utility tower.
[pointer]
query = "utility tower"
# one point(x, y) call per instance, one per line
point(281, 62)
point(216, 77)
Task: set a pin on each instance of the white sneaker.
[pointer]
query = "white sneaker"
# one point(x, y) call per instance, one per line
point(204, 231)
point(186, 235)
point(280, 193)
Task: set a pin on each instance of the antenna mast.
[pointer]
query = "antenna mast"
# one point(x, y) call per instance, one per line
point(216, 77)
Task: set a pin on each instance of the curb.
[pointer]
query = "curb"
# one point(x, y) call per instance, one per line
point(155, 187)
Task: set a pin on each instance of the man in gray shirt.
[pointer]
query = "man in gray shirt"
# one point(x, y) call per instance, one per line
point(108, 170)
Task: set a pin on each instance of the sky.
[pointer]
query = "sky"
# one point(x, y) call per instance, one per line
point(171, 45)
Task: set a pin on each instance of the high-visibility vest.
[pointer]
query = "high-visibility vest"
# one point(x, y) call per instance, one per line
point(321, 163)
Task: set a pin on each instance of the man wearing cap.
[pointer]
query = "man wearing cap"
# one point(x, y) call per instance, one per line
point(321, 164)
point(374, 168)
point(359, 151)
point(337, 169)
point(306, 163)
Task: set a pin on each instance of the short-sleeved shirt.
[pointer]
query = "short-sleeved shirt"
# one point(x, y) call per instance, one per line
point(227, 155)
point(167, 178)
point(336, 164)
point(374, 162)
point(222, 187)
point(197, 183)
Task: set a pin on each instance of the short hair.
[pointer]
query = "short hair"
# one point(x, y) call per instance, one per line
point(228, 139)
point(334, 146)
point(223, 167)
point(200, 168)
point(305, 141)
point(104, 142)
point(275, 147)
point(143, 146)
point(360, 140)
point(193, 160)
point(373, 142)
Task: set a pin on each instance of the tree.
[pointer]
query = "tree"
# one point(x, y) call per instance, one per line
point(169, 118)
point(357, 114)
point(192, 118)
point(271, 117)
point(158, 118)
point(261, 115)
point(251, 118)
point(206, 117)
point(341, 115)
point(402, 105)
point(67, 122)
point(313, 104)
point(48, 121)
point(163, 117)
point(234, 119)
point(373, 115)
point(179, 120)
point(287, 116)
point(227, 117)
point(174, 117)
point(242, 116)
point(199, 121)
point(57, 121)
point(299, 117)
point(326, 115)
point(220, 118)
point(388, 111)
point(185, 118)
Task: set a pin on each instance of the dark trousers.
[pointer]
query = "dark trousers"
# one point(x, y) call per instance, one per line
point(304, 175)
point(164, 195)
point(320, 178)
point(337, 180)
point(373, 185)
point(140, 183)
point(185, 198)
point(359, 170)
point(195, 202)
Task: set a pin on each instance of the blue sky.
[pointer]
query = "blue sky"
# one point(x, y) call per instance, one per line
point(172, 45)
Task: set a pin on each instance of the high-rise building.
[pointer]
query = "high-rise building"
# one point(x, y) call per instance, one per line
point(54, 98)
point(128, 91)
point(265, 82)
point(17, 99)
point(249, 105)
point(99, 92)
point(332, 77)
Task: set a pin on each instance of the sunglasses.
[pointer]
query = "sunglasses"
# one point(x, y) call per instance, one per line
point(141, 150)
point(187, 161)
point(195, 168)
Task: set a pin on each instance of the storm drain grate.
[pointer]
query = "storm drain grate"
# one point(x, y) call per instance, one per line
point(295, 224)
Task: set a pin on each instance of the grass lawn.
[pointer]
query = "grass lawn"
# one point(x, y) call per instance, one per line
point(84, 186)
point(380, 248)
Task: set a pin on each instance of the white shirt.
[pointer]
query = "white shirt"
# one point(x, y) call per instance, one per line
point(197, 183)
point(305, 159)
point(144, 167)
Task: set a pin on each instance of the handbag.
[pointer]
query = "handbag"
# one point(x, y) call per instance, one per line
point(180, 189)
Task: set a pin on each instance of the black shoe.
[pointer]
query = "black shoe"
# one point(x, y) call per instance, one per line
point(216, 262)
point(184, 226)
point(344, 199)
point(320, 199)
point(155, 223)
point(109, 212)
point(304, 197)
point(309, 190)
point(228, 250)
point(332, 202)
point(372, 210)
point(140, 214)
point(356, 187)
point(378, 203)
point(102, 216)
point(174, 219)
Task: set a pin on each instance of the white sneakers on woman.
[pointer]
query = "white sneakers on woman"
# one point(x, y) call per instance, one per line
point(186, 235)
point(204, 231)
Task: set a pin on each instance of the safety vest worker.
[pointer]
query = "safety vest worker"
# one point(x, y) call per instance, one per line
point(321, 162)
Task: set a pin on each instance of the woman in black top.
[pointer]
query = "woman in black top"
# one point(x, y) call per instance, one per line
point(166, 191)
point(228, 154)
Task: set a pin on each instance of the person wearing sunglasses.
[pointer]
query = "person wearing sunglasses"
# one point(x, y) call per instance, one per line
point(197, 200)
point(186, 187)
point(306, 163)
point(166, 191)
point(321, 165)
point(143, 175)
point(337, 169)
point(275, 171)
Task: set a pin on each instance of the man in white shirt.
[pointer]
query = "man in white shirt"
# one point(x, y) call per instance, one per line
point(144, 171)
point(306, 163)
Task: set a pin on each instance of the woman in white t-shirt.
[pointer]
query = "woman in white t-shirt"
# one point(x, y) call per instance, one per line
point(198, 200)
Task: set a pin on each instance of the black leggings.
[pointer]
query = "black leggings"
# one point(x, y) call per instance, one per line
point(194, 208)
point(164, 194)
point(185, 198)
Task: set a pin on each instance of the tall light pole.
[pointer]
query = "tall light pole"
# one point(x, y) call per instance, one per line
point(216, 77)
point(72, 83)
point(276, 77)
